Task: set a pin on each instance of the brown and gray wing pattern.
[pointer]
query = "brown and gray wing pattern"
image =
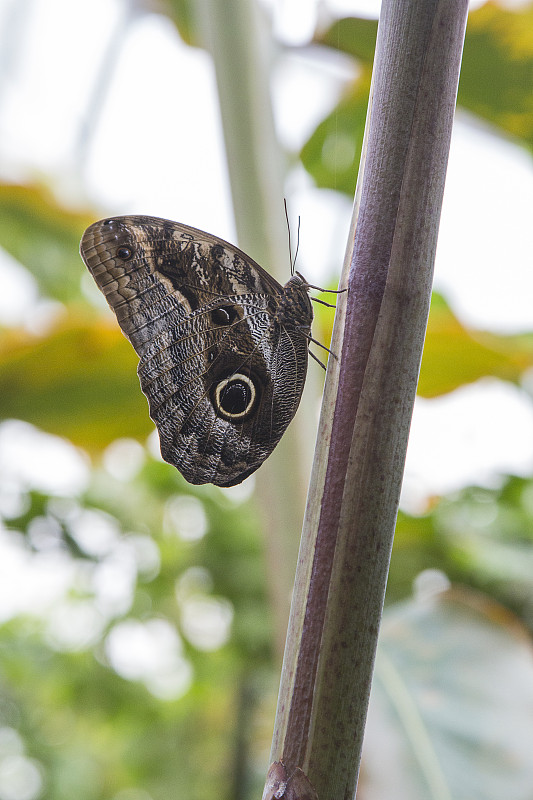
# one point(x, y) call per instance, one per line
point(222, 370)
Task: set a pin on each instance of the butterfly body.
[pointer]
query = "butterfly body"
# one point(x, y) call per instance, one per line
point(222, 345)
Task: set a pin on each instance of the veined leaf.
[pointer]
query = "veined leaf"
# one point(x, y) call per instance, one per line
point(451, 712)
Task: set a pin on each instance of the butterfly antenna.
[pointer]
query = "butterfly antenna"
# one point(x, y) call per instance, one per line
point(289, 234)
point(297, 245)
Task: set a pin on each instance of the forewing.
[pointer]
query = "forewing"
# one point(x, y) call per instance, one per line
point(169, 271)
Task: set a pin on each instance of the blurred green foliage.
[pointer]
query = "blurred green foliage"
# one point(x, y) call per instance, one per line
point(495, 85)
point(96, 734)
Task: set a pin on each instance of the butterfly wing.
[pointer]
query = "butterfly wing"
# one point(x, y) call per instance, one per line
point(223, 369)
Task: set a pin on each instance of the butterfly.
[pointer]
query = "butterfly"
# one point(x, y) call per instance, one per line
point(222, 346)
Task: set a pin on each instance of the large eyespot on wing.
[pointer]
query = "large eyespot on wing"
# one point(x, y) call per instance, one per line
point(256, 413)
point(204, 380)
point(209, 410)
point(222, 394)
point(235, 398)
point(258, 408)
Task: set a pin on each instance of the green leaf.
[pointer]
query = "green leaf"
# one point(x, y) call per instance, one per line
point(495, 84)
point(478, 537)
point(352, 35)
point(454, 356)
point(43, 237)
point(497, 69)
point(78, 381)
point(182, 13)
point(488, 537)
point(333, 152)
point(451, 713)
point(416, 548)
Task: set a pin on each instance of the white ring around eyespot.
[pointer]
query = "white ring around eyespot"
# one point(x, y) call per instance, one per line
point(237, 376)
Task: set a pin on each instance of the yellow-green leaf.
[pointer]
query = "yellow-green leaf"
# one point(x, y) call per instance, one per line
point(333, 152)
point(454, 356)
point(495, 84)
point(44, 237)
point(78, 381)
point(497, 68)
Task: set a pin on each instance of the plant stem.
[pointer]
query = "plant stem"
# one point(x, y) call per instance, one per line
point(235, 34)
point(357, 473)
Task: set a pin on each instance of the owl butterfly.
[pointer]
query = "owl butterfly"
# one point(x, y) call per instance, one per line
point(222, 345)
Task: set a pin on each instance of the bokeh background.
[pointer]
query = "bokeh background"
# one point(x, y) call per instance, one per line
point(142, 619)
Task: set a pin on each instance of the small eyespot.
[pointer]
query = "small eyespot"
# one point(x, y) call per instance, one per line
point(235, 397)
point(224, 315)
point(220, 316)
point(124, 253)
